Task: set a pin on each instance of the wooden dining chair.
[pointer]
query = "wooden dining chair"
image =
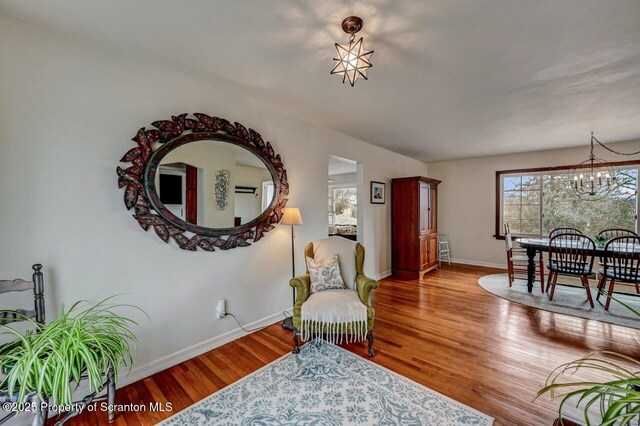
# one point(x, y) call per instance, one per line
point(518, 261)
point(609, 234)
point(622, 265)
point(8, 316)
point(558, 231)
point(570, 254)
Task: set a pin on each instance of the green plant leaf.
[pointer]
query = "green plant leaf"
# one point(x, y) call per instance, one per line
point(81, 343)
point(618, 400)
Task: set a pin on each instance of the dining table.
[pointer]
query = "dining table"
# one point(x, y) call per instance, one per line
point(536, 245)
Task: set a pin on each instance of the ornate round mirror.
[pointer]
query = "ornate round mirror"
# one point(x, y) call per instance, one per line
point(204, 182)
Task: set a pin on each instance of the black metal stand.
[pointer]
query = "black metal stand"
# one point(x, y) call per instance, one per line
point(287, 324)
point(293, 262)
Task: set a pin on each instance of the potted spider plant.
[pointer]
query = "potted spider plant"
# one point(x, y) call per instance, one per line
point(52, 359)
point(615, 401)
point(600, 240)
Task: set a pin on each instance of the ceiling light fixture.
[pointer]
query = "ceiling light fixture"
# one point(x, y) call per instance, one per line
point(595, 178)
point(353, 60)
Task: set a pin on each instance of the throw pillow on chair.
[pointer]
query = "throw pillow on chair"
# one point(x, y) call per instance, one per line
point(325, 275)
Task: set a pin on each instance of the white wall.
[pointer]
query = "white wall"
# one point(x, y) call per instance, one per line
point(467, 194)
point(249, 206)
point(67, 115)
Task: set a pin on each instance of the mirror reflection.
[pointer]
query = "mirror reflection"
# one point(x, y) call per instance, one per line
point(214, 184)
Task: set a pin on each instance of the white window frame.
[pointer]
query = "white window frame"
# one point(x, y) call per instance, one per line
point(501, 175)
point(330, 195)
point(502, 199)
point(265, 191)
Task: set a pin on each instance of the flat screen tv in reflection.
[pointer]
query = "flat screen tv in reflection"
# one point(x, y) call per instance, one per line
point(170, 189)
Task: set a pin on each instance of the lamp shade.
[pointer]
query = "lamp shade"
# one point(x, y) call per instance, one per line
point(291, 216)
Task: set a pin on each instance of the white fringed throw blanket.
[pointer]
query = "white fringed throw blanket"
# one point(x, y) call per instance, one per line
point(333, 310)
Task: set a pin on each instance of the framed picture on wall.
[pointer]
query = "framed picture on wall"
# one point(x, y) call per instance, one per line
point(378, 192)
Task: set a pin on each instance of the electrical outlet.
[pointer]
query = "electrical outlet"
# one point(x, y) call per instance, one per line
point(221, 309)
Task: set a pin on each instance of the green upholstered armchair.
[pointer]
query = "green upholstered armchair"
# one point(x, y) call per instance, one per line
point(354, 278)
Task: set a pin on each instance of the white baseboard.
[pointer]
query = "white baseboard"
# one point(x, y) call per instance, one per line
point(479, 263)
point(143, 371)
point(382, 275)
point(388, 273)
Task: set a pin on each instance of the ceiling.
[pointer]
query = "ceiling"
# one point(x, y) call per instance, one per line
point(244, 157)
point(450, 78)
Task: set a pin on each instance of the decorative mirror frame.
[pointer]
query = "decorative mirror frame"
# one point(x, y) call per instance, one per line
point(139, 181)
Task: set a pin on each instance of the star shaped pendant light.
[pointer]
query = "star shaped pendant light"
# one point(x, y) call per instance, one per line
point(353, 59)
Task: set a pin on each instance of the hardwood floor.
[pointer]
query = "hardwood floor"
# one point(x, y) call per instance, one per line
point(445, 332)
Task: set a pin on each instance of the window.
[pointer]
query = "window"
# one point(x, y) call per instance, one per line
point(534, 202)
point(343, 206)
point(267, 194)
point(522, 198)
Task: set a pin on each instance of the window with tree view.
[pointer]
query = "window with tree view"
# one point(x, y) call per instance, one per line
point(343, 206)
point(534, 203)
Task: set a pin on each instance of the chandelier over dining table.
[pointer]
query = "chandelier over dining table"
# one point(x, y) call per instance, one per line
point(595, 178)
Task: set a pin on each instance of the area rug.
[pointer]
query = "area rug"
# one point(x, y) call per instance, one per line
point(567, 300)
point(326, 385)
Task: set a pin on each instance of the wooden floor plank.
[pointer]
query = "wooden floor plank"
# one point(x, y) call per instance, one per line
point(444, 332)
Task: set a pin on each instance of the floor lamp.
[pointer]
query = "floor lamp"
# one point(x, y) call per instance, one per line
point(291, 217)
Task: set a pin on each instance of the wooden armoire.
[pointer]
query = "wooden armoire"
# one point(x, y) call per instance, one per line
point(414, 228)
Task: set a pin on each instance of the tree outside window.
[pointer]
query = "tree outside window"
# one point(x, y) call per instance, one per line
point(535, 204)
point(343, 206)
point(521, 204)
point(563, 209)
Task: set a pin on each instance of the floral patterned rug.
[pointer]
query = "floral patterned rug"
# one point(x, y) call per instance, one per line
point(326, 385)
